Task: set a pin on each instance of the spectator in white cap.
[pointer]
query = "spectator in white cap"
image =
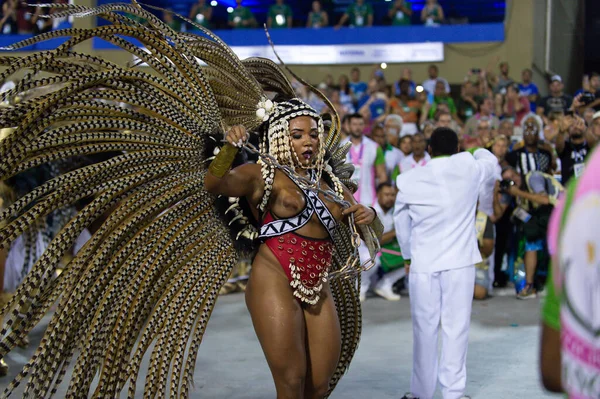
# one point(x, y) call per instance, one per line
point(557, 101)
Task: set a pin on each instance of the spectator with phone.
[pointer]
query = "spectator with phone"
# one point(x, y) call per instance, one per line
point(432, 14)
point(591, 91)
point(573, 143)
point(400, 12)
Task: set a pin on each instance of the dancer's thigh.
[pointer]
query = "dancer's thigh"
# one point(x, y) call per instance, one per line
point(279, 324)
point(324, 344)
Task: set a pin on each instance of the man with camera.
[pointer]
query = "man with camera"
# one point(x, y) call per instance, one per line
point(535, 194)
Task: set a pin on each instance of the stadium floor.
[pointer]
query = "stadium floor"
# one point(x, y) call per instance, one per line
point(502, 359)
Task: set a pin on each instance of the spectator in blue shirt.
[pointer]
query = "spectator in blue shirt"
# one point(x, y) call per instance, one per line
point(529, 89)
point(359, 88)
point(406, 75)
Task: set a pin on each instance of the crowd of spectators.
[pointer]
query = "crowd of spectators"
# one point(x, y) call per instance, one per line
point(528, 133)
point(280, 15)
point(26, 17)
point(21, 18)
point(540, 143)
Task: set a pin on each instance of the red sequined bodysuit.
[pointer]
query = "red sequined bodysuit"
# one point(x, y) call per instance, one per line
point(305, 260)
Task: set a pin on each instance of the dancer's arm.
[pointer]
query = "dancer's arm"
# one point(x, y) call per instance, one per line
point(362, 214)
point(243, 181)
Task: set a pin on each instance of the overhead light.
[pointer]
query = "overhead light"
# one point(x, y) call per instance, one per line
point(214, 3)
point(419, 88)
point(230, 9)
point(383, 65)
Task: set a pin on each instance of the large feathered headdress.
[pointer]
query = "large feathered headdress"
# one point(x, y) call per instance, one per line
point(147, 279)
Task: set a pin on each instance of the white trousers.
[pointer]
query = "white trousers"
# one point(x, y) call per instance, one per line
point(440, 298)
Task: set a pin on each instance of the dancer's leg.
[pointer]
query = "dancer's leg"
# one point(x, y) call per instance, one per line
point(324, 343)
point(279, 324)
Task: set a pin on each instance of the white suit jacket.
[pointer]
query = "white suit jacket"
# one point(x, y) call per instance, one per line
point(434, 215)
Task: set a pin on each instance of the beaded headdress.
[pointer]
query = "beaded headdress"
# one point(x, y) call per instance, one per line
point(276, 141)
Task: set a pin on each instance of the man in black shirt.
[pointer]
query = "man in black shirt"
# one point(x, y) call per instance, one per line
point(557, 101)
point(531, 156)
point(572, 150)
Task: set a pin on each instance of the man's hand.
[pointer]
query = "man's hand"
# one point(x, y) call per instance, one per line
point(407, 267)
point(577, 103)
point(513, 190)
point(362, 214)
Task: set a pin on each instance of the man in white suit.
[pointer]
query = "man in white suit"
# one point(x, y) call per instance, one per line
point(434, 219)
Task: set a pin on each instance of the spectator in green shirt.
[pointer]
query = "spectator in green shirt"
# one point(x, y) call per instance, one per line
point(400, 12)
point(441, 97)
point(432, 14)
point(317, 18)
point(280, 15)
point(359, 13)
point(201, 13)
point(241, 17)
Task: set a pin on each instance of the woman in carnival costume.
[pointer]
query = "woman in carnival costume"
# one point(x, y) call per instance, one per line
point(179, 211)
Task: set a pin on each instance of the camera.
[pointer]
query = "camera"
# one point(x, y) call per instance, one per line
point(475, 71)
point(587, 97)
point(505, 185)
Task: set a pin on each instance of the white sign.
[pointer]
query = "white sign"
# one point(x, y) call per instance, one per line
point(347, 53)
